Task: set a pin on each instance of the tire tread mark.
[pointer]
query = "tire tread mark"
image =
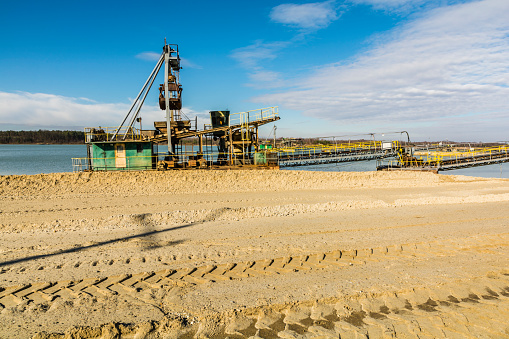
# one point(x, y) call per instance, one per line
point(158, 276)
point(136, 278)
point(32, 289)
point(13, 289)
point(229, 271)
point(83, 284)
point(58, 286)
point(278, 266)
point(258, 268)
point(465, 319)
point(134, 283)
point(297, 263)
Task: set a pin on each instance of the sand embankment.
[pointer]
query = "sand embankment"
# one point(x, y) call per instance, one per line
point(246, 253)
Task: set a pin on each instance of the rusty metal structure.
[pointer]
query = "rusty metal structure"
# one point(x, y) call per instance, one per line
point(331, 153)
point(231, 139)
point(441, 157)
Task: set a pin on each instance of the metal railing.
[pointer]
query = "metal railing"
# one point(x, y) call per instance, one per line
point(183, 160)
point(132, 163)
point(335, 153)
point(334, 148)
point(488, 152)
point(93, 134)
point(189, 156)
point(441, 160)
point(261, 114)
point(398, 164)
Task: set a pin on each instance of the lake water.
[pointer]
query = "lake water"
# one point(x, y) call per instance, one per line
point(35, 159)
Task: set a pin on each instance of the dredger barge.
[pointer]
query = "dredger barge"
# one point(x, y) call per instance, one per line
point(229, 140)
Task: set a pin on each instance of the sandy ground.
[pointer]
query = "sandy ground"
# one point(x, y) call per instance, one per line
point(241, 254)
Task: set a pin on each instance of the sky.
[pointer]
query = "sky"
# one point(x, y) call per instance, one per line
point(438, 69)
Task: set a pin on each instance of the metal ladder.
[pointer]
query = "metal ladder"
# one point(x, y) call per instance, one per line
point(244, 134)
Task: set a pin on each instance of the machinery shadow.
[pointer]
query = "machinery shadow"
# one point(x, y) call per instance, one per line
point(151, 242)
point(103, 243)
point(140, 219)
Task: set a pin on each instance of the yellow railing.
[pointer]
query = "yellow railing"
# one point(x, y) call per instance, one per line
point(184, 159)
point(405, 163)
point(107, 133)
point(255, 115)
point(336, 148)
point(109, 163)
point(438, 157)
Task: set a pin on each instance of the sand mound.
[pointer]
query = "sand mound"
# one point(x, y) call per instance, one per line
point(253, 254)
point(204, 181)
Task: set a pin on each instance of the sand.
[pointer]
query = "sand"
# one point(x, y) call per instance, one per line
point(249, 254)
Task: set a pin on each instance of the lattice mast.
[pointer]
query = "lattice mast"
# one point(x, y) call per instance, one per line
point(170, 91)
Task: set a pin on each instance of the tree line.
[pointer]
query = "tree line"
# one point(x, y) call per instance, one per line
point(42, 137)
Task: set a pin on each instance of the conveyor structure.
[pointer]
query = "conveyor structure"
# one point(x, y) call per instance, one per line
point(229, 140)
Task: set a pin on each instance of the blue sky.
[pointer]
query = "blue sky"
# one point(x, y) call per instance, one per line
point(438, 69)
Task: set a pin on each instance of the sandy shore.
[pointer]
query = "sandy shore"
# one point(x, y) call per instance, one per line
point(241, 254)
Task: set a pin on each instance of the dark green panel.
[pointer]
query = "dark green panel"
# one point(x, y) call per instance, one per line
point(138, 156)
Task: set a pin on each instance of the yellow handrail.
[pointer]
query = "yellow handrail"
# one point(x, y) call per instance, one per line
point(106, 133)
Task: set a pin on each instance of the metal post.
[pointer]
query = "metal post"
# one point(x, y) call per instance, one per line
point(257, 145)
point(230, 146)
point(169, 118)
point(139, 106)
point(275, 128)
point(153, 74)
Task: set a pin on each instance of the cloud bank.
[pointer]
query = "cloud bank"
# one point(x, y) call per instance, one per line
point(306, 18)
point(449, 68)
point(40, 110)
point(148, 56)
point(153, 56)
point(251, 57)
point(406, 6)
point(310, 16)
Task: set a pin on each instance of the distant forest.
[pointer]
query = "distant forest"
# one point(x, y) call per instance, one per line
point(42, 137)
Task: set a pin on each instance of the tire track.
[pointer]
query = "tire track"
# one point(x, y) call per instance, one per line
point(134, 285)
point(478, 309)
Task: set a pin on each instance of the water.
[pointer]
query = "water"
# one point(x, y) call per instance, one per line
point(490, 171)
point(35, 159)
point(354, 166)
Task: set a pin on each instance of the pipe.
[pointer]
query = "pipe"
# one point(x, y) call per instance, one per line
point(141, 103)
point(139, 94)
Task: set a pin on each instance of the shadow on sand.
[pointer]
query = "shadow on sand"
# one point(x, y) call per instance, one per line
point(141, 220)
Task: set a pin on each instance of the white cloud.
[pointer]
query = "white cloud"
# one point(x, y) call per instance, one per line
point(54, 111)
point(305, 16)
point(265, 79)
point(153, 56)
point(149, 56)
point(254, 56)
point(47, 109)
point(448, 68)
point(189, 64)
point(251, 56)
point(389, 3)
point(405, 5)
